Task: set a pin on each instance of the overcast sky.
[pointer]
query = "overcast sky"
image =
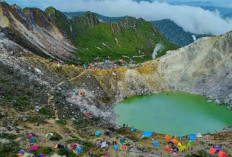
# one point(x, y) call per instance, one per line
point(193, 19)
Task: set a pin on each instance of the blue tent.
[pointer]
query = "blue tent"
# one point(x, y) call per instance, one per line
point(115, 146)
point(76, 93)
point(78, 149)
point(132, 129)
point(21, 152)
point(192, 137)
point(146, 134)
point(156, 144)
point(98, 133)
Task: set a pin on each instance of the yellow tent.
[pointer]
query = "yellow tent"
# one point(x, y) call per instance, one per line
point(179, 144)
point(182, 148)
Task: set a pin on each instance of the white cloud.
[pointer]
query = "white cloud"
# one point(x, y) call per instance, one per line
point(193, 19)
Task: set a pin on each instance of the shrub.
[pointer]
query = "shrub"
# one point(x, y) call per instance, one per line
point(67, 152)
point(45, 111)
point(45, 151)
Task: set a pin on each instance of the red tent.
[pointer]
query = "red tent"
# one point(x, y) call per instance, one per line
point(124, 147)
point(212, 150)
point(87, 114)
point(221, 154)
point(167, 149)
point(30, 135)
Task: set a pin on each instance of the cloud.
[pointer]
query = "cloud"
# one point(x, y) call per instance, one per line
point(193, 19)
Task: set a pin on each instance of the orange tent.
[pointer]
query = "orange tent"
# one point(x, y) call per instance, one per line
point(19, 154)
point(175, 140)
point(167, 149)
point(167, 137)
point(124, 147)
point(221, 154)
point(212, 150)
point(56, 146)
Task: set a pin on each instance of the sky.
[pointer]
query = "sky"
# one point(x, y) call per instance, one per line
point(192, 19)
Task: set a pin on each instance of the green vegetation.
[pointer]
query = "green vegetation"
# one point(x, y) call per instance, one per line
point(9, 150)
point(21, 102)
point(8, 136)
point(61, 122)
point(14, 90)
point(96, 41)
point(200, 153)
point(50, 10)
point(62, 22)
point(45, 150)
point(67, 152)
point(130, 36)
point(45, 111)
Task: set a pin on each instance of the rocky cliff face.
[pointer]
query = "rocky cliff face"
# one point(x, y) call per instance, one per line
point(36, 29)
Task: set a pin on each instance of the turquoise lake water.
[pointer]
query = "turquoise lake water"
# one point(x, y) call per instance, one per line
point(175, 113)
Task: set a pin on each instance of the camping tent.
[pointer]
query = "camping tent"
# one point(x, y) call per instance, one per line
point(72, 145)
point(167, 149)
point(179, 144)
point(34, 147)
point(78, 149)
point(33, 140)
point(124, 147)
point(58, 146)
point(104, 144)
point(221, 154)
point(146, 134)
point(41, 155)
point(122, 140)
point(212, 150)
point(87, 114)
point(29, 136)
point(190, 143)
point(198, 135)
point(49, 135)
point(156, 144)
point(98, 133)
point(171, 143)
point(192, 137)
point(20, 153)
point(167, 137)
point(115, 146)
point(182, 148)
point(132, 129)
point(175, 140)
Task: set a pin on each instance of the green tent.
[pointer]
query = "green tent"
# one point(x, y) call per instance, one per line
point(122, 140)
point(32, 140)
point(190, 143)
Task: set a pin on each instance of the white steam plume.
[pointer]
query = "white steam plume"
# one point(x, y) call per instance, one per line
point(159, 47)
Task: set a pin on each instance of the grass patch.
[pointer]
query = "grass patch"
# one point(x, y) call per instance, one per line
point(8, 136)
point(201, 153)
point(21, 102)
point(45, 111)
point(61, 122)
point(9, 150)
point(45, 151)
point(67, 152)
